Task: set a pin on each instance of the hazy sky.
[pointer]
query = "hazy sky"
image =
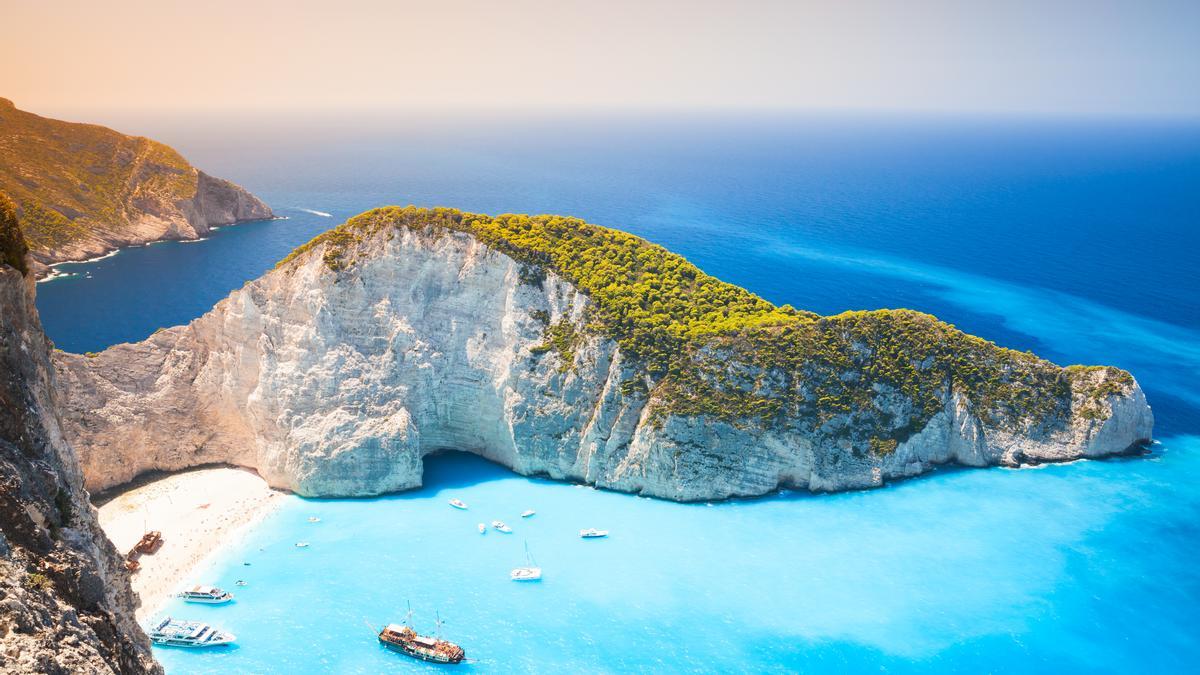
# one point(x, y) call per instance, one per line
point(1093, 57)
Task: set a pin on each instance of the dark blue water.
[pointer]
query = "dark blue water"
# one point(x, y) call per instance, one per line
point(1077, 239)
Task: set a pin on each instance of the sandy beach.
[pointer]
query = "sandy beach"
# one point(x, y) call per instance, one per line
point(198, 513)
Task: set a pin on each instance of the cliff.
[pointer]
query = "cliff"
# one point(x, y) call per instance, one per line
point(65, 601)
point(83, 190)
point(561, 348)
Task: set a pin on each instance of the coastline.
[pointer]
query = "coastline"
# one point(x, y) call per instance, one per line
point(200, 513)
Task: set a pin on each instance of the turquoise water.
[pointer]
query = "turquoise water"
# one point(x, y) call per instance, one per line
point(1075, 239)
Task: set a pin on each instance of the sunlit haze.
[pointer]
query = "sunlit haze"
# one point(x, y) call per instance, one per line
point(1025, 56)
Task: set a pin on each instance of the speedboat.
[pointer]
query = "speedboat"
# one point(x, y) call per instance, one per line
point(526, 514)
point(482, 528)
point(499, 525)
point(314, 519)
point(593, 533)
point(530, 572)
point(302, 544)
point(176, 633)
point(208, 595)
point(458, 504)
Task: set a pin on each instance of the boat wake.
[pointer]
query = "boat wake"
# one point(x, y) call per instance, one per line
point(314, 212)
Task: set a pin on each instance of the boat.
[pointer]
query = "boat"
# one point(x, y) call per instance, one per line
point(530, 572)
point(593, 533)
point(482, 528)
point(149, 543)
point(314, 519)
point(208, 595)
point(499, 525)
point(302, 544)
point(176, 633)
point(402, 638)
point(526, 514)
point(458, 504)
point(239, 582)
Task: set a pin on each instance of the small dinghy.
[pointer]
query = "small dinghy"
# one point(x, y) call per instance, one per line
point(593, 533)
point(302, 544)
point(482, 528)
point(499, 525)
point(458, 504)
point(528, 513)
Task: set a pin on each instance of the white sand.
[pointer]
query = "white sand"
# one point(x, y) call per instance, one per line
point(198, 513)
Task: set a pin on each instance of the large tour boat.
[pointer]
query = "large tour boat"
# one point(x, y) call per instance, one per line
point(208, 595)
point(402, 638)
point(174, 633)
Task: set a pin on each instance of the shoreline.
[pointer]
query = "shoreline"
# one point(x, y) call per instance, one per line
point(200, 513)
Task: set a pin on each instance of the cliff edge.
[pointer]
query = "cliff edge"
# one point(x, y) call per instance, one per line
point(65, 601)
point(560, 348)
point(83, 190)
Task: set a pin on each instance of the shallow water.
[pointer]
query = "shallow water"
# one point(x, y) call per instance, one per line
point(1074, 239)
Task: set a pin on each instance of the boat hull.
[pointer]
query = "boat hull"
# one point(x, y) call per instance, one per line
point(419, 655)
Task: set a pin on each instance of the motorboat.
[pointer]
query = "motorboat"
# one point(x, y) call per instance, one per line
point(530, 572)
point(458, 504)
point(314, 519)
point(175, 633)
point(482, 528)
point(593, 533)
point(526, 514)
point(302, 544)
point(499, 525)
point(207, 595)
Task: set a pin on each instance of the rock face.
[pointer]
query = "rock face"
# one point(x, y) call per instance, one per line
point(83, 190)
point(65, 601)
point(336, 373)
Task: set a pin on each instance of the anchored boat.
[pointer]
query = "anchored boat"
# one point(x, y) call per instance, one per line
point(458, 504)
point(528, 513)
point(208, 595)
point(175, 633)
point(402, 638)
point(499, 525)
point(530, 572)
point(593, 533)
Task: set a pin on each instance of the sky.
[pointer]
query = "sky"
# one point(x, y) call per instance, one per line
point(1099, 57)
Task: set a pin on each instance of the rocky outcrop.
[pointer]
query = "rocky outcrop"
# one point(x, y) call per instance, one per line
point(65, 600)
point(336, 373)
point(83, 190)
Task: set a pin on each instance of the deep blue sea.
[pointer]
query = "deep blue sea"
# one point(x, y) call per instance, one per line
point(1077, 239)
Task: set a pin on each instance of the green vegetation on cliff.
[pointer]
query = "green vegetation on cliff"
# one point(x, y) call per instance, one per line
point(717, 350)
point(68, 178)
point(12, 243)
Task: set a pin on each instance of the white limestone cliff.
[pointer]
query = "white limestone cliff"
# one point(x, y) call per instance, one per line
point(337, 382)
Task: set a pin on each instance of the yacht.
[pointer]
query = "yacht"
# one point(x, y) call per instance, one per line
point(530, 572)
point(458, 504)
point(528, 513)
point(208, 595)
point(593, 533)
point(402, 638)
point(302, 544)
point(499, 525)
point(176, 633)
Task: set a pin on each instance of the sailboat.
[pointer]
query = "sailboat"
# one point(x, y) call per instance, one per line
point(402, 638)
point(530, 572)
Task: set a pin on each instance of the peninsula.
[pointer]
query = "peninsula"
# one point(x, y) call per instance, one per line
point(84, 190)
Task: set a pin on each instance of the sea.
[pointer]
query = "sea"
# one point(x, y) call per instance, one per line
point(1078, 239)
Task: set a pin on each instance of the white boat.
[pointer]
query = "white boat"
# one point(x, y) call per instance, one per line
point(482, 528)
point(458, 504)
point(528, 513)
point(314, 519)
point(302, 544)
point(499, 525)
point(175, 633)
point(530, 572)
point(208, 595)
point(593, 533)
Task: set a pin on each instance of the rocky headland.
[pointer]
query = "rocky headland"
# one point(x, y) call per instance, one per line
point(83, 190)
point(560, 348)
point(65, 599)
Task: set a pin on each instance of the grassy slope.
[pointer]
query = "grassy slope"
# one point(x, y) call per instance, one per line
point(710, 348)
point(67, 177)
